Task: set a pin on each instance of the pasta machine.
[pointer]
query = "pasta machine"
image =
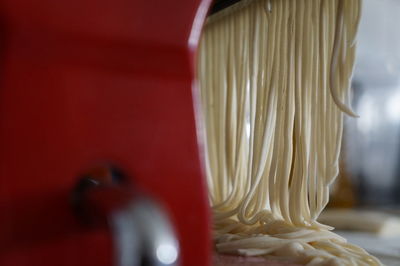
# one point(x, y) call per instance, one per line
point(99, 158)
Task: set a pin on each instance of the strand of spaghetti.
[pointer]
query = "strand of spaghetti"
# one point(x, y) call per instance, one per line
point(268, 79)
point(334, 60)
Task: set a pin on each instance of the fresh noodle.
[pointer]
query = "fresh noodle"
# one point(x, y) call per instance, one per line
point(274, 80)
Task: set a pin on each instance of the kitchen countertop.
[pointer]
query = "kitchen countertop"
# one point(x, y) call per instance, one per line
point(229, 260)
point(386, 249)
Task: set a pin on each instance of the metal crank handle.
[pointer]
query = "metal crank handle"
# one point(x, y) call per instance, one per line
point(142, 233)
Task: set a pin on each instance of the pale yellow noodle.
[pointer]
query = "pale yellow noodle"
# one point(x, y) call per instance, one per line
point(275, 81)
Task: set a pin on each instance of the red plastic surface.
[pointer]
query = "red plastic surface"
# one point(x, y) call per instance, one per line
point(86, 82)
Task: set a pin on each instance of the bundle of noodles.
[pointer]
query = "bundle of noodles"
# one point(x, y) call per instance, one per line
point(274, 78)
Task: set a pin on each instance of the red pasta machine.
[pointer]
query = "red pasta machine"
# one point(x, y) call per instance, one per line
point(99, 156)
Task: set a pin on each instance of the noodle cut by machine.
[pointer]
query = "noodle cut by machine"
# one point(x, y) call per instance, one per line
point(99, 160)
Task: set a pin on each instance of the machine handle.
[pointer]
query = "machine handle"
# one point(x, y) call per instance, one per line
point(142, 233)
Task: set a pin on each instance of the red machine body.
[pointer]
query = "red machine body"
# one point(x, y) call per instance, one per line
point(87, 82)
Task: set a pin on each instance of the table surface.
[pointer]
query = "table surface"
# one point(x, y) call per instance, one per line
point(228, 260)
point(387, 249)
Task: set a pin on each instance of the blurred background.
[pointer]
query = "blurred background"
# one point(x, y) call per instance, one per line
point(372, 142)
point(369, 181)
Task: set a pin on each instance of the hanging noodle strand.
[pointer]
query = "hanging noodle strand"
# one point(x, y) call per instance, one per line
point(274, 78)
